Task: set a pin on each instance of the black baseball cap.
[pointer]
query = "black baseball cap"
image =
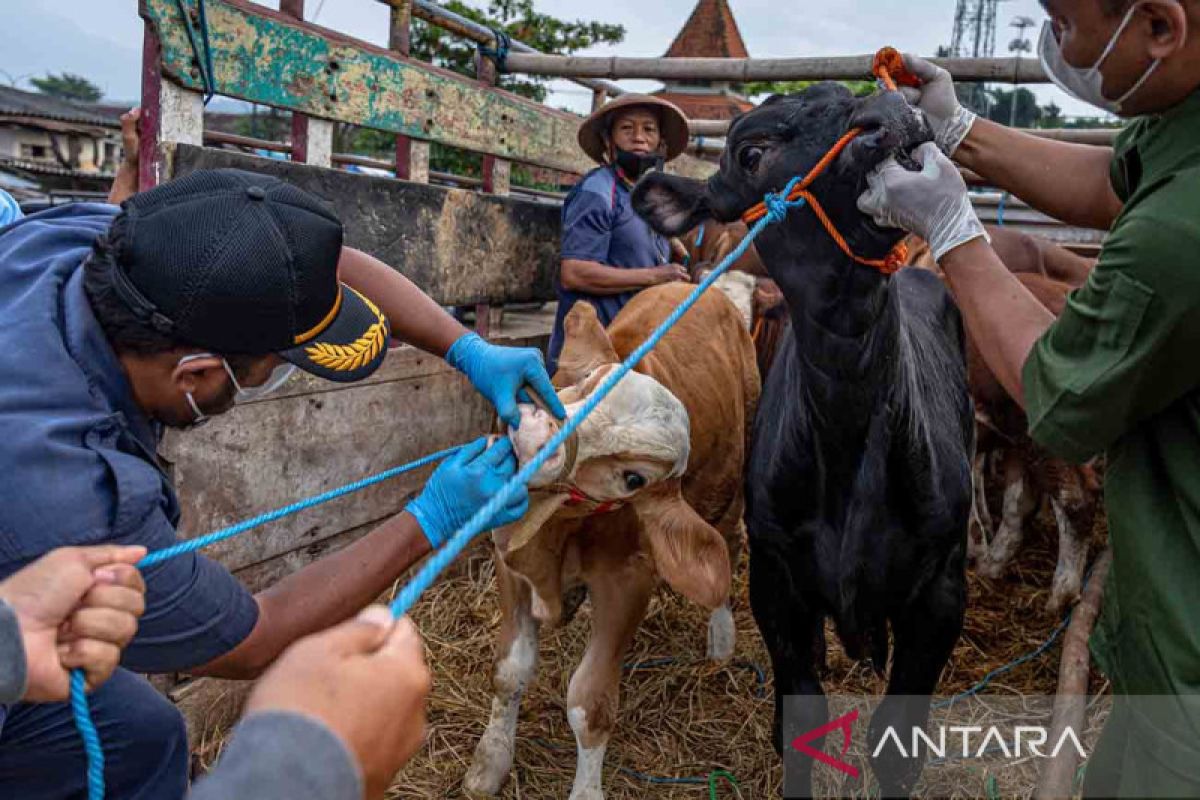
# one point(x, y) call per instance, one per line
point(237, 262)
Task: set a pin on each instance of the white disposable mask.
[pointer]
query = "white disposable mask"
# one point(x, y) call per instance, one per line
point(1087, 84)
point(244, 394)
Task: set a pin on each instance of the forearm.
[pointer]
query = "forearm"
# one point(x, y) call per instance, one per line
point(416, 319)
point(1070, 182)
point(591, 277)
point(124, 185)
point(323, 594)
point(1001, 316)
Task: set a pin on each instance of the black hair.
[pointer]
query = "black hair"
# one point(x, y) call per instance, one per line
point(126, 332)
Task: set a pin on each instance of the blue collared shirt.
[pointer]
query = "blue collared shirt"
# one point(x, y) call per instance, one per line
point(599, 224)
point(77, 454)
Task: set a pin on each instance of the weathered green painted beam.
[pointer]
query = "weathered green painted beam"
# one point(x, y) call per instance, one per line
point(461, 247)
point(266, 57)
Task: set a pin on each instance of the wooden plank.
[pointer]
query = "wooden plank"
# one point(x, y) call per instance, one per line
point(744, 70)
point(313, 437)
point(461, 247)
point(266, 57)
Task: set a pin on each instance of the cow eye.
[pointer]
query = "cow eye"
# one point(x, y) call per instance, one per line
point(748, 157)
point(634, 481)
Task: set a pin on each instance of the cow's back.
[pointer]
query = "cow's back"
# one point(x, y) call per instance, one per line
point(707, 360)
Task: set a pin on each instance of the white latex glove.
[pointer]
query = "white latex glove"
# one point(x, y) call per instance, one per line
point(932, 203)
point(951, 122)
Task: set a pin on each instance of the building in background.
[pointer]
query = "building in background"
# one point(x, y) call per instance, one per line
point(710, 32)
point(50, 146)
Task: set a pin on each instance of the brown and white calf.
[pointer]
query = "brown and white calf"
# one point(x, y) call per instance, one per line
point(650, 489)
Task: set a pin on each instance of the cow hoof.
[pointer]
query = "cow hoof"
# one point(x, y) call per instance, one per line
point(587, 793)
point(489, 769)
point(991, 568)
point(722, 635)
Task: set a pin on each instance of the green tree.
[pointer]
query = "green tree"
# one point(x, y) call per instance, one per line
point(1028, 112)
point(756, 88)
point(68, 86)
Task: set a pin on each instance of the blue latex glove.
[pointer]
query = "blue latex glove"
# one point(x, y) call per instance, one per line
point(462, 484)
point(501, 373)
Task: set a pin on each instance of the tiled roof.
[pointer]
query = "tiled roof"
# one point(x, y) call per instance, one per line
point(707, 106)
point(18, 103)
point(710, 32)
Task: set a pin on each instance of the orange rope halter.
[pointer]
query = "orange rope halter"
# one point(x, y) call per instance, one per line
point(889, 68)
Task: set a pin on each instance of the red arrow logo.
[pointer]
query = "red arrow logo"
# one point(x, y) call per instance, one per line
point(844, 722)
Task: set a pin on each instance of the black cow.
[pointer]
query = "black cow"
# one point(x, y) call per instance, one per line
point(859, 484)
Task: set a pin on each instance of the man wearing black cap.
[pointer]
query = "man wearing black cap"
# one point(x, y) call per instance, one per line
point(203, 291)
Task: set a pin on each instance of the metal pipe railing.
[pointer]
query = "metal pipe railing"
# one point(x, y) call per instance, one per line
point(716, 128)
point(459, 25)
point(744, 70)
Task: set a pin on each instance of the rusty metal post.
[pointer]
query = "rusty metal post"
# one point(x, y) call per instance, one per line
point(496, 180)
point(412, 155)
point(295, 8)
point(148, 123)
point(599, 98)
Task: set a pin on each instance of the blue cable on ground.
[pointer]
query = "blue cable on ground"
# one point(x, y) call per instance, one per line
point(83, 719)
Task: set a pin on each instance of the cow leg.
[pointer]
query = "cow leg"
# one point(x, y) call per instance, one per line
point(1019, 502)
point(1074, 512)
point(516, 661)
point(791, 631)
point(980, 531)
point(619, 601)
point(924, 634)
point(722, 632)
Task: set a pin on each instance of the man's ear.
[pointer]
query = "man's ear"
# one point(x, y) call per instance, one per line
point(671, 204)
point(688, 553)
point(586, 346)
point(188, 375)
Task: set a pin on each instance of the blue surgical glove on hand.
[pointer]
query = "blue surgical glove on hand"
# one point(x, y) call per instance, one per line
point(501, 373)
point(462, 484)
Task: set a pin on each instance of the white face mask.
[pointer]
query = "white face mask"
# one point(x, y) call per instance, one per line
point(244, 394)
point(1087, 84)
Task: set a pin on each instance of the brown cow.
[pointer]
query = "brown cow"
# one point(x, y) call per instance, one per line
point(651, 488)
point(1028, 473)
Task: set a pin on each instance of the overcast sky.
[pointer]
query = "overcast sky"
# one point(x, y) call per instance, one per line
point(102, 39)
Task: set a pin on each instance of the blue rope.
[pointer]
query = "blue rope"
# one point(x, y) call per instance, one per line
point(1000, 210)
point(83, 719)
point(499, 53)
point(777, 209)
point(91, 737)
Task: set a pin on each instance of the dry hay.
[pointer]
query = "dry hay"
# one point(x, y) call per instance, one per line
point(687, 718)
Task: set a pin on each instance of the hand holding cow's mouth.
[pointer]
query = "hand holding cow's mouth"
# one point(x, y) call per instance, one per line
point(537, 428)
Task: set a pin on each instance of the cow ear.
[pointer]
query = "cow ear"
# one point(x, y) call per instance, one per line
point(671, 204)
point(688, 553)
point(586, 347)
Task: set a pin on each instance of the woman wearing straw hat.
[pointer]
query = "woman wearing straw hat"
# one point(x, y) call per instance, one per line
point(608, 252)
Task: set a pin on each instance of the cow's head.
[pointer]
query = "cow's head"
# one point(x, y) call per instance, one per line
point(631, 451)
point(784, 138)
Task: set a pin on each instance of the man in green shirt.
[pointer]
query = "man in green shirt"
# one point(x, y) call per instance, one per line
point(1119, 371)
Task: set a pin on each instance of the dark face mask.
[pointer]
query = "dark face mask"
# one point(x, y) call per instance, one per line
point(634, 165)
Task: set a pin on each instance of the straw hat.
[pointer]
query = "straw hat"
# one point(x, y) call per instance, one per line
point(672, 122)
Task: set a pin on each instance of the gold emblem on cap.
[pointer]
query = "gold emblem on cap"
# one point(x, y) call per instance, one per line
point(349, 357)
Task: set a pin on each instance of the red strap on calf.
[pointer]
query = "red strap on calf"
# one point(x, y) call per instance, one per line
point(575, 497)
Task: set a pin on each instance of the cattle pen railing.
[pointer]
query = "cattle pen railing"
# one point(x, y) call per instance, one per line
point(465, 240)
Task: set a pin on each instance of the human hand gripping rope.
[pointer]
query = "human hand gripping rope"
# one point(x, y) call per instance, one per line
point(773, 209)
